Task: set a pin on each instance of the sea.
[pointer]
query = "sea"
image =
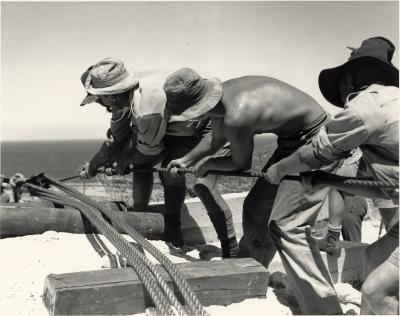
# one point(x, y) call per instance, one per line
point(65, 158)
point(57, 158)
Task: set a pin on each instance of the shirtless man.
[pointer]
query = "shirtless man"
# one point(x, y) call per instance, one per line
point(244, 107)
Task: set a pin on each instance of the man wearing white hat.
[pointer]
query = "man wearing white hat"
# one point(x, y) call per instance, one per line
point(141, 133)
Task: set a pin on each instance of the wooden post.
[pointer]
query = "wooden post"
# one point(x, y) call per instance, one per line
point(120, 292)
point(20, 221)
point(27, 219)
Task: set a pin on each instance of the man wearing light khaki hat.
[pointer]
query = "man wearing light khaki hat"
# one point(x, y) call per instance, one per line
point(141, 133)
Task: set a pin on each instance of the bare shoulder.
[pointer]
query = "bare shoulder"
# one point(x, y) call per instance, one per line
point(241, 117)
point(245, 99)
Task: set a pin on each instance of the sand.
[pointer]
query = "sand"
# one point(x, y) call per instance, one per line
point(26, 261)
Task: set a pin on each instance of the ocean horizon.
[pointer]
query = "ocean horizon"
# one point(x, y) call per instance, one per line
point(64, 158)
point(58, 158)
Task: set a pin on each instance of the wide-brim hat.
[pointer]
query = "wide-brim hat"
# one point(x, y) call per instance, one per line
point(189, 95)
point(90, 98)
point(376, 52)
point(109, 76)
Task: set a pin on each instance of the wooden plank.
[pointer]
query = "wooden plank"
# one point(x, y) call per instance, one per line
point(120, 292)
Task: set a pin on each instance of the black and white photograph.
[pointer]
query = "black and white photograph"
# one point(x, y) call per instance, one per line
point(211, 158)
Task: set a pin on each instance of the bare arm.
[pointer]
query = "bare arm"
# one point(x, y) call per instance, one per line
point(334, 141)
point(242, 144)
point(209, 145)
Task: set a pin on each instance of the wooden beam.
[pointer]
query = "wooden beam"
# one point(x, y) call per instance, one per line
point(26, 219)
point(20, 221)
point(120, 292)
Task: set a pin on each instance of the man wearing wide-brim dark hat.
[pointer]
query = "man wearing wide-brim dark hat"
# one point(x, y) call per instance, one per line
point(368, 64)
point(367, 87)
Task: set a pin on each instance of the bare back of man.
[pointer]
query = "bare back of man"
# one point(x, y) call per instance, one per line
point(254, 105)
point(267, 105)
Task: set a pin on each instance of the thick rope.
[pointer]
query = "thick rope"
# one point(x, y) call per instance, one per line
point(317, 180)
point(192, 302)
point(254, 174)
point(139, 261)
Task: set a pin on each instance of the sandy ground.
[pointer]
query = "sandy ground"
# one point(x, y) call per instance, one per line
point(27, 260)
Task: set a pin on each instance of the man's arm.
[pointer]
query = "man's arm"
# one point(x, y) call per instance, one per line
point(334, 141)
point(210, 143)
point(241, 141)
point(118, 133)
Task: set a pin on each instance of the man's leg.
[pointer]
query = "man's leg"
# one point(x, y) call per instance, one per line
point(219, 213)
point(335, 218)
point(380, 291)
point(256, 241)
point(174, 187)
point(351, 227)
point(354, 207)
point(142, 186)
point(379, 251)
point(355, 210)
point(294, 211)
point(174, 197)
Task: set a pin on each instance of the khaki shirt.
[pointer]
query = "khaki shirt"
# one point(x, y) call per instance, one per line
point(147, 118)
point(369, 121)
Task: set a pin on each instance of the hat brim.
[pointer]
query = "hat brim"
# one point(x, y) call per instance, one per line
point(210, 99)
point(329, 79)
point(124, 85)
point(90, 98)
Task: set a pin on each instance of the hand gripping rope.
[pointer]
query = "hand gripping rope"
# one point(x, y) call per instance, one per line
point(163, 298)
point(317, 177)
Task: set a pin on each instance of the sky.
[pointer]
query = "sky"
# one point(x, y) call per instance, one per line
point(46, 46)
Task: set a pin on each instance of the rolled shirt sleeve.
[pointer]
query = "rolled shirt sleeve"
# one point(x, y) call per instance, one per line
point(370, 122)
point(335, 140)
point(370, 118)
